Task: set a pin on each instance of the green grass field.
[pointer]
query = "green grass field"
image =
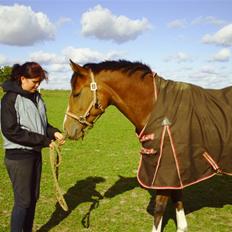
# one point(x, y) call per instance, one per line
point(98, 177)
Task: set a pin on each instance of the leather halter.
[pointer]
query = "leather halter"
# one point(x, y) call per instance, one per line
point(94, 103)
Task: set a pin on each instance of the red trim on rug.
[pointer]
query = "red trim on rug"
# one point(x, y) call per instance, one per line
point(173, 187)
point(175, 154)
point(155, 88)
point(227, 173)
point(211, 162)
point(155, 96)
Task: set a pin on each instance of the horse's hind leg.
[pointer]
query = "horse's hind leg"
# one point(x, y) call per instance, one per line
point(161, 201)
point(181, 221)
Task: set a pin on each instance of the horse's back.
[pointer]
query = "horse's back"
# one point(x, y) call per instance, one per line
point(223, 95)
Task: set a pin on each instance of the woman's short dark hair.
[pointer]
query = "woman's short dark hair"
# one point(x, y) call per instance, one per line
point(29, 70)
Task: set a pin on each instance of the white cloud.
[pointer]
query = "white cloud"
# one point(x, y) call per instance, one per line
point(222, 37)
point(21, 26)
point(208, 69)
point(211, 77)
point(57, 80)
point(47, 58)
point(3, 60)
point(179, 58)
point(86, 55)
point(178, 23)
point(62, 21)
point(222, 56)
point(206, 75)
point(209, 20)
point(59, 76)
point(58, 67)
point(99, 22)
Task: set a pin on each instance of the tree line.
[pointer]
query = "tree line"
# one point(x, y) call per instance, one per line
point(5, 72)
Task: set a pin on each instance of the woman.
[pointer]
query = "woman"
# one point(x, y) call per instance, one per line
point(25, 132)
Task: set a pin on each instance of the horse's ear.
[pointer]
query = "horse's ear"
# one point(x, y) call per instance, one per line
point(76, 67)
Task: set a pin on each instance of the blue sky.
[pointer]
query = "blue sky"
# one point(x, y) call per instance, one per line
point(184, 40)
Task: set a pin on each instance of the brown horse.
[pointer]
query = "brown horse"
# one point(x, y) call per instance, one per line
point(154, 105)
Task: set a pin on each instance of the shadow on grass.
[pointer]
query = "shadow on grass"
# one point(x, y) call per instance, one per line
point(214, 193)
point(123, 184)
point(82, 191)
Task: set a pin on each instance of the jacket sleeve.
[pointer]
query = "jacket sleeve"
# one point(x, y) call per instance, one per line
point(12, 130)
point(51, 131)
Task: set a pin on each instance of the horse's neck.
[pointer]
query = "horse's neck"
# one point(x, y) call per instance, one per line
point(133, 96)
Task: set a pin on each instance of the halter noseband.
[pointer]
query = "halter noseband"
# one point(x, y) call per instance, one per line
point(94, 103)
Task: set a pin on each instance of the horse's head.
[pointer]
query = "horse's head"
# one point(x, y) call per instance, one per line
point(86, 102)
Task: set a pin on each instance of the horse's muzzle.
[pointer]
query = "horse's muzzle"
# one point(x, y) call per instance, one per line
point(72, 129)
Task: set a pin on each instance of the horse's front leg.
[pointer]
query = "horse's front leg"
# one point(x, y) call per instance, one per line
point(161, 201)
point(181, 221)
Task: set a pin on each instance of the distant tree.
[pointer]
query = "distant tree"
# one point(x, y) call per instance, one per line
point(5, 72)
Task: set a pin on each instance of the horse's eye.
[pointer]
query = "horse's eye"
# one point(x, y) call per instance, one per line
point(76, 94)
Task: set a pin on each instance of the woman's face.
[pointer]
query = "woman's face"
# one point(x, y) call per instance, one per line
point(30, 85)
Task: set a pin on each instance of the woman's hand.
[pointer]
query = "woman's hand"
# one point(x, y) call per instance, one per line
point(59, 137)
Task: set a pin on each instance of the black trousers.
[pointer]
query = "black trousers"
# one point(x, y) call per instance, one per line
point(25, 175)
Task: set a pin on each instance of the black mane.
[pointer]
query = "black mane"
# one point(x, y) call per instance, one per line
point(123, 65)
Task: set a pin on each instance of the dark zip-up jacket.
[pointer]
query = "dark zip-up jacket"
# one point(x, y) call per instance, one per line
point(24, 123)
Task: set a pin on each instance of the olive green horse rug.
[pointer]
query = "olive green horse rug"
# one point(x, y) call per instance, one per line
point(188, 137)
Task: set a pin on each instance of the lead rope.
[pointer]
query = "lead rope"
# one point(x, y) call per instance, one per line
point(55, 161)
